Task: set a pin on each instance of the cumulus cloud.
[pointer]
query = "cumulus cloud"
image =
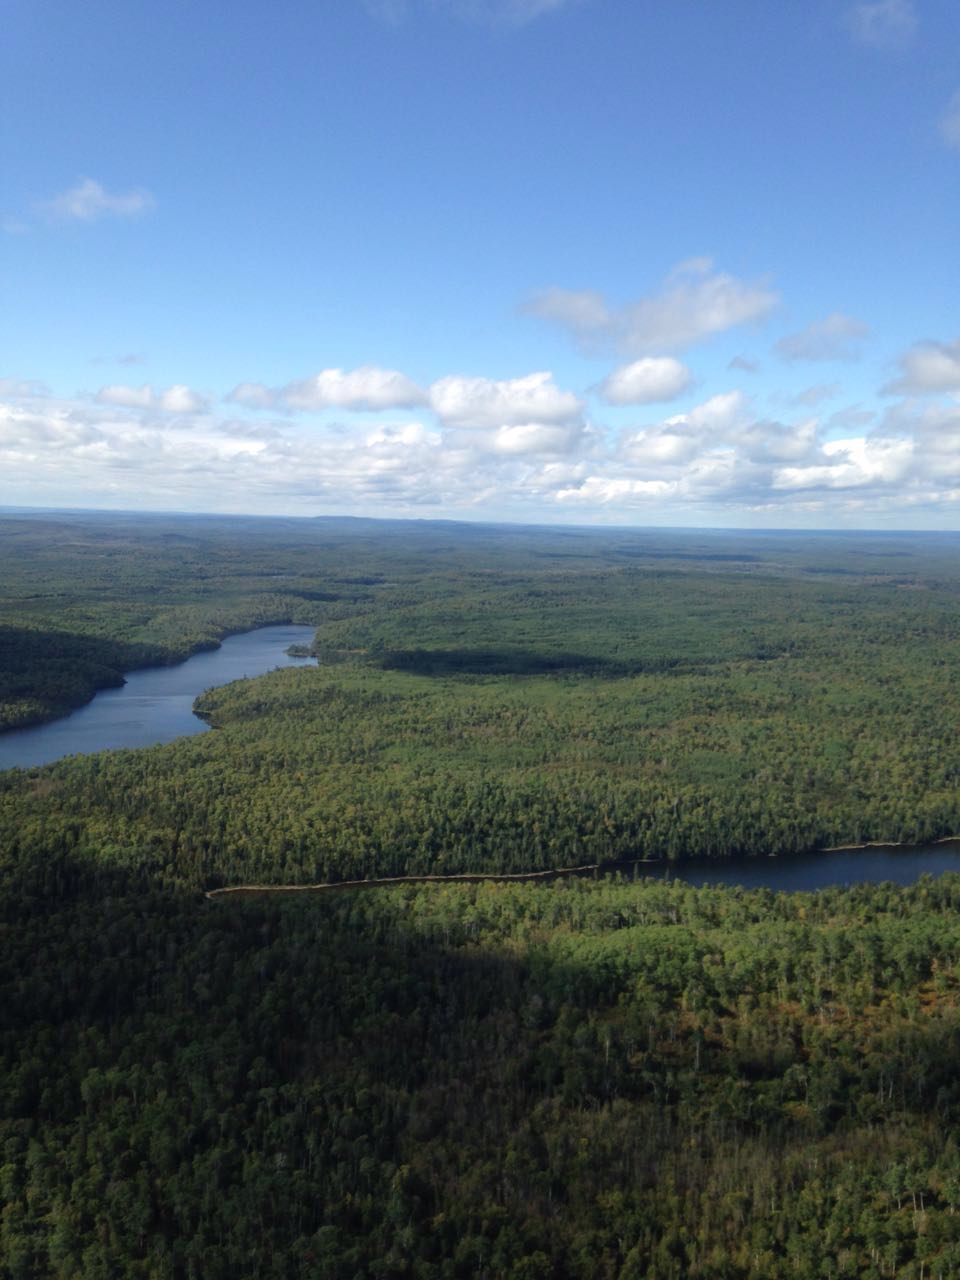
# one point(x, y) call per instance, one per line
point(536, 438)
point(367, 389)
point(678, 439)
point(695, 303)
point(836, 337)
point(646, 381)
point(927, 368)
point(253, 395)
point(950, 122)
point(88, 201)
point(175, 399)
point(851, 464)
point(476, 403)
point(744, 365)
point(883, 24)
point(719, 456)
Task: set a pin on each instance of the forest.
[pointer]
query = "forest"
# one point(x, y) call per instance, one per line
point(592, 1077)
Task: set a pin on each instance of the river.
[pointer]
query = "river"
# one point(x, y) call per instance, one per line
point(156, 703)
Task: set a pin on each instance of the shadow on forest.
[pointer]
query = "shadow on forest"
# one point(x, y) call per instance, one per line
point(345, 988)
point(296, 1078)
point(522, 662)
point(58, 670)
point(23, 648)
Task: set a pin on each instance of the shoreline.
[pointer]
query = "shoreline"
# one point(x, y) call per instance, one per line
point(465, 877)
point(885, 844)
point(521, 877)
point(174, 660)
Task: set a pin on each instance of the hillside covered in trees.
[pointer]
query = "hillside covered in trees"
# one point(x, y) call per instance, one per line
point(575, 1079)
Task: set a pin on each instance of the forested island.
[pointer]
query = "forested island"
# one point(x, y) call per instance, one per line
point(573, 1078)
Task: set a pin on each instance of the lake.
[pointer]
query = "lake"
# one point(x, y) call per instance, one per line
point(156, 704)
point(898, 864)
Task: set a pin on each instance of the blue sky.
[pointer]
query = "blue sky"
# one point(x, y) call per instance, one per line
point(550, 260)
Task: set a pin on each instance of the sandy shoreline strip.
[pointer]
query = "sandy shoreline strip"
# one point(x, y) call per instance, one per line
point(509, 877)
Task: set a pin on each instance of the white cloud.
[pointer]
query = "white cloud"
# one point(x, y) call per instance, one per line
point(883, 24)
point(602, 491)
point(853, 417)
point(645, 381)
point(536, 438)
point(816, 394)
point(774, 442)
point(367, 389)
point(253, 395)
point(836, 337)
point(127, 397)
point(22, 388)
point(718, 457)
point(175, 399)
point(851, 464)
point(88, 201)
point(410, 433)
point(719, 413)
point(180, 399)
point(744, 365)
point(695, 303)
point(950, 122)
point(927, 368)
point(473, 403)
point(684, 436)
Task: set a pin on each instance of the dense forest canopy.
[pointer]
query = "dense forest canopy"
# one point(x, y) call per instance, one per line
point(583, 1078)
point(493, 698)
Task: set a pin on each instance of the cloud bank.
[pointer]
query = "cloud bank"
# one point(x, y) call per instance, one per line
point(516, 448)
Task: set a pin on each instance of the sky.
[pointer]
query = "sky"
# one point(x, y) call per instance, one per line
point(627, 262)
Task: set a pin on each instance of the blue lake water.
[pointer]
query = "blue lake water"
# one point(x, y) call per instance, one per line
point(900, 864)
point(156, 704)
